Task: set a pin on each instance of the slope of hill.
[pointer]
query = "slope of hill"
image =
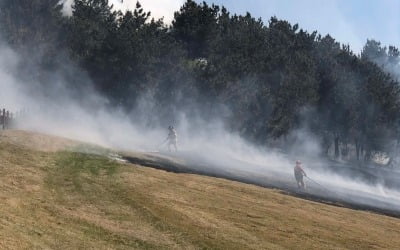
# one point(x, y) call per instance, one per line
point(54, 195)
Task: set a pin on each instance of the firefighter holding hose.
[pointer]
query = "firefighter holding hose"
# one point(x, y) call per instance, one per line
point(298, 175)
point(172, 138)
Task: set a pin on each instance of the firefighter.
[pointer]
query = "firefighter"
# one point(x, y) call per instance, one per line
point(172, 138)
point(298, 175)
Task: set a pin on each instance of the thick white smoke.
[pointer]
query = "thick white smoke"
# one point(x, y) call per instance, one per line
point(57, 109)
point(9, 90)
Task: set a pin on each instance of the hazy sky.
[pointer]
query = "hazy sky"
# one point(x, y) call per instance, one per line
point(349, 21)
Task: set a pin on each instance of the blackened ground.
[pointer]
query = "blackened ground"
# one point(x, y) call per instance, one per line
point(317, 190)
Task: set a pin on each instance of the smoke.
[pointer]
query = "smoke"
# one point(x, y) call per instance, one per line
point(205, 144)
point(159, 9)
point(9, 90)
point(67, 7)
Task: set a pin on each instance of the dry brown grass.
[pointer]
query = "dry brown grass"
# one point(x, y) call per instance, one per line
point(36, 141)
point(64, 200)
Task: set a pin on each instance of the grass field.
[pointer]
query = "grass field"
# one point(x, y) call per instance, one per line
point(57, 195)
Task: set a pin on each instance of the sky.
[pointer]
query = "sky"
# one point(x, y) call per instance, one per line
point(348, 21)
point(158, 8)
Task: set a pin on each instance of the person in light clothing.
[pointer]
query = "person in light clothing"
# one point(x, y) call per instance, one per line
point(172, 138)
point(298, 175)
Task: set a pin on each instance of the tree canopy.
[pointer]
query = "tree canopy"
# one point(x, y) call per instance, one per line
point(273, 77)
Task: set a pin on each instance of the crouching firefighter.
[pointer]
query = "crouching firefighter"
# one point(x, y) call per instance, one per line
point(298, 174)
point(172, 138)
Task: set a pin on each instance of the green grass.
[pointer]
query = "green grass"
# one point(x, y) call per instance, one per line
point(73, 163)
point(80, 173)
point(81, 179)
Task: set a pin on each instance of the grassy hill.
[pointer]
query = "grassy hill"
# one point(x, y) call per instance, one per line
point(61, 194)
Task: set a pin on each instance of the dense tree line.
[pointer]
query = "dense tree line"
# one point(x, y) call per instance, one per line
point(274, 78)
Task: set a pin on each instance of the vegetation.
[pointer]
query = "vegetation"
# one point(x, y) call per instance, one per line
point(57, 199)
point(275, 78)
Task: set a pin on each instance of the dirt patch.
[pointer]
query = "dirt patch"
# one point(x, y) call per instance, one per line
point(32, 188)
point(13, 202)
point(36, 141)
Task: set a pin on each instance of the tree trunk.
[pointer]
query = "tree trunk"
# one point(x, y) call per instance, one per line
point(389, 163)
point(358, 150)
point(367, 156)
point(327, 150)
point(336, 147)
point(361, 150)
point(326, 144)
